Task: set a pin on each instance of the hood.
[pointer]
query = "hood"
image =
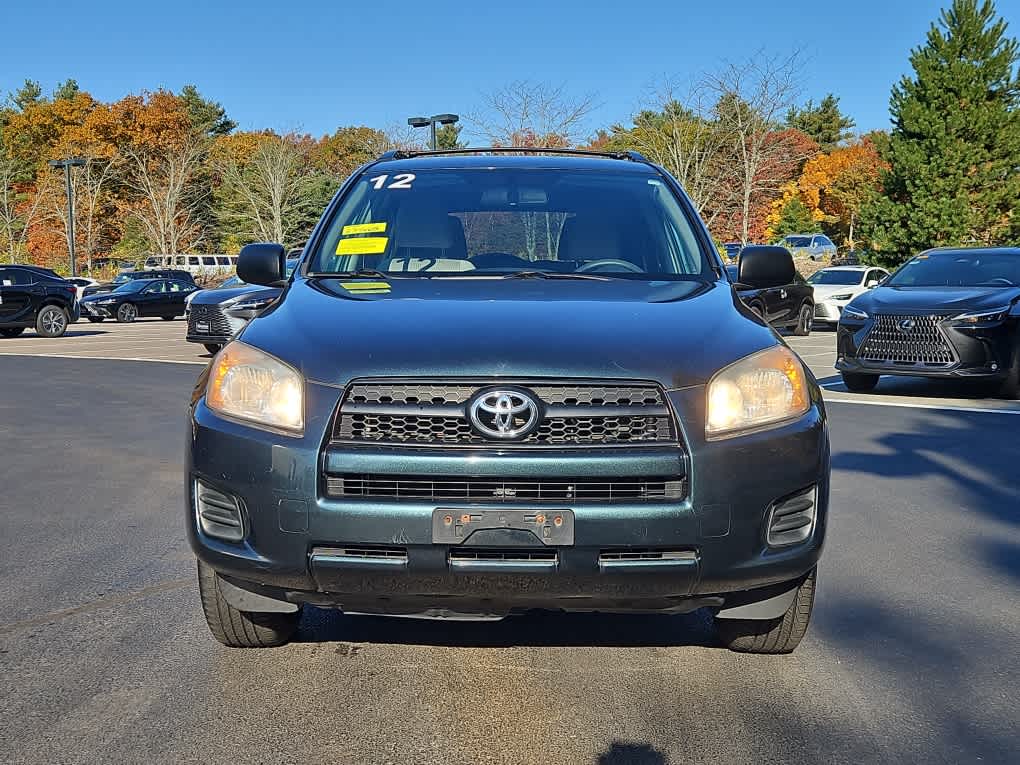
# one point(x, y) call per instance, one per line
point(676, 333)
point(947, 300)
point(221, 295)
point(107, 295)
point(826, 291)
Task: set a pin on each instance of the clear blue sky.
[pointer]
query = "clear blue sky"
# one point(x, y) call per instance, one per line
point(314, 65)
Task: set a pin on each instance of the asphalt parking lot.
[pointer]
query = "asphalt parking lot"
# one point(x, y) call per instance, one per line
point(105, 657)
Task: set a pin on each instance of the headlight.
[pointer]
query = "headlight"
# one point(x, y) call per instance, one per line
point(255, 304)
point(765, 388)
point(854, 313)
point(976, 318)
point(106, 302)
point(845, 296)
point(251, 385)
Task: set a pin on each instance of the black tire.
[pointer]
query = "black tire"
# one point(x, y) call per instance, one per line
point(212, 347)
point(241, 629)
point(11, 331)
point(859, 382)
point(96, 319)
point(51, 321)
point(127, 313)
point(803, 327)
point(780, 635)
point(168, 318)
point(1011, 385)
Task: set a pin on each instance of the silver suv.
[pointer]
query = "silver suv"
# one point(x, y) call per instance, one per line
point(815, 246)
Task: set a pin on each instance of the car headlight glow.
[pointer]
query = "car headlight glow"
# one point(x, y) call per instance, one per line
point(854, 313)
point(844, 296)
point(251, 385)
point(253, 304)
point(762, 389)
point(984, 316)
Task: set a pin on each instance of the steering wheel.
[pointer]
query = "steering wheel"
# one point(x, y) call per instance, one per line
point(595, 265)
point(999, 279)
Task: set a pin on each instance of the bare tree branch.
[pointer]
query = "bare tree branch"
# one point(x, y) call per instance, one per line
point(526, 113)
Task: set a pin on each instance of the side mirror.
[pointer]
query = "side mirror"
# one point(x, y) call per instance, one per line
point(762, 266)
point(872, 284)
point(262, 263)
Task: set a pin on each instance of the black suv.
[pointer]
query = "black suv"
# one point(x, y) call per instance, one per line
point(508, 381)
point(126, 276)
point(35, 297)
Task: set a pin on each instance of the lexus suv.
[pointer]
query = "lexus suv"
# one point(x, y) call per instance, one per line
point(37, 298)
point(947, 312)
point(508, 380)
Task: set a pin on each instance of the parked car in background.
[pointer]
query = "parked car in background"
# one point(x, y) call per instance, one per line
point(137, 298)
point(814, 246)
point(784, 306)
point(732, 250)
point(216, 315)
point(196, 265)
point(952, 312)
point(837, 285)
point(230, 281)
point(35, 297)
point(126, 276)
point(82, 283)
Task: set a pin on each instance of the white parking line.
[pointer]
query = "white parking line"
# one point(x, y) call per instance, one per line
point(102, 358)
point(906, 405)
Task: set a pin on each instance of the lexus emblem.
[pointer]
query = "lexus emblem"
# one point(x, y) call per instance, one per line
point(906, 326)
point(503, 414)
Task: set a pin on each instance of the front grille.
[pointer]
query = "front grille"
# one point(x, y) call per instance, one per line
point(907, 340)
point(218, 322)
point(487, 490)
point(436, 414)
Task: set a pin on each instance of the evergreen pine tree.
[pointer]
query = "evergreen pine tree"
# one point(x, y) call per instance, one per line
point(954, 151)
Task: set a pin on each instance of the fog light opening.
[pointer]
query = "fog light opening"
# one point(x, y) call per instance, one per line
point(791, 520)
point(219, 513)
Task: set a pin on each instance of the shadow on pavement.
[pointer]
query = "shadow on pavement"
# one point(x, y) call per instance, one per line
point(540, 629)
point(919, 387)
point(627, 753)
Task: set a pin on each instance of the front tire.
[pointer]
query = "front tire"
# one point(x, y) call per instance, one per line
point(168, 318)
point(241, 629)
point(1011, 385)
point(780, 635)
point(11, 331)
point(859, 383)
point(803, 328)
point(213, 348)
point(51, 321)
point(96, 319)
point(127, 313)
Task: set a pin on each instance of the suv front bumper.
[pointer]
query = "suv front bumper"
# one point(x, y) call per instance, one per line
point(379, 556)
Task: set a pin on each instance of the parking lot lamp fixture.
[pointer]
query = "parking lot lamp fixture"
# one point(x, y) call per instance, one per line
point(435, 119)
point(66, 165)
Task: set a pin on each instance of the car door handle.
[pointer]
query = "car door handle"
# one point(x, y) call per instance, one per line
point(782, 294)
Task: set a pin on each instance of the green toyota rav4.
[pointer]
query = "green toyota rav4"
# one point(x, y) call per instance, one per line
point(501, 381)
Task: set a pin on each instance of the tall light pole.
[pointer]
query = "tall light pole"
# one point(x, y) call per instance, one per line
point(435, 119)
point(67, 164)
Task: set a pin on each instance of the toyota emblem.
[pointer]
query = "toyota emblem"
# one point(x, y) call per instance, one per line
point(503, 414)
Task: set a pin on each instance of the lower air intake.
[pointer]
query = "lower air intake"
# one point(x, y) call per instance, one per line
point(219, 514)
point(791, 520)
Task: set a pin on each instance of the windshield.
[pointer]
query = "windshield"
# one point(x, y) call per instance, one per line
point(491, 222)
point(836, 277)
point(958, 269)
point(121, 279)
point(135, 285)
point(233, 281)
point(797, 241)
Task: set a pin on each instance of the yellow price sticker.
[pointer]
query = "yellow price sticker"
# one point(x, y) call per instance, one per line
point(363, 228)
point(363, 245)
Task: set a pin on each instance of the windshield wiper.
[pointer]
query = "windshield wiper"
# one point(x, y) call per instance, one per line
point(553, 275)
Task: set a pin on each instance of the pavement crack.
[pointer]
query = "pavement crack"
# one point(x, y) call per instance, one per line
point(95, 605)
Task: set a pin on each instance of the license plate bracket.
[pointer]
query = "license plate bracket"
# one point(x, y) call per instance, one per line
point(553, 528)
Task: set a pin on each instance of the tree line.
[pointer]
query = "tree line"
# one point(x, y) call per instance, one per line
point(169, 172)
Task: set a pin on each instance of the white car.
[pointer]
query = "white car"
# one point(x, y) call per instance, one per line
point(80, 283)
point(836, 286)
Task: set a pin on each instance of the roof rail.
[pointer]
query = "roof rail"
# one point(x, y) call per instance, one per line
point(631, 156)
